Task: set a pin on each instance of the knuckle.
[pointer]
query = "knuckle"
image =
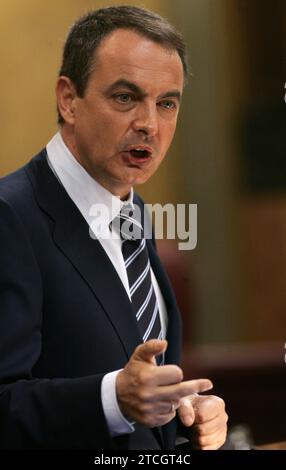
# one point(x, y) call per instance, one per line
point(210, 443)
point(200, 430)
point(202, 441)
point(218, 444)
point(200, 415)
point(219, 401)
point(215, 446)
point(177, 373)
point(143, 376)
point(212, 401)
point(146, 417)
point(144, 396)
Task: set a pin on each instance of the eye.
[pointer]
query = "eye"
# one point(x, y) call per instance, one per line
point(168, 105)
point(124, 98)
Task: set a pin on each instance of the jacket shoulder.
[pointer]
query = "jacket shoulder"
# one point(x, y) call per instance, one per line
point(16, 188)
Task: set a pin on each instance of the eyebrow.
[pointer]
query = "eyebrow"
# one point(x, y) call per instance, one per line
point(136, 89)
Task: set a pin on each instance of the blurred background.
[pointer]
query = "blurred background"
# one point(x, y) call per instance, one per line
point(228, 157)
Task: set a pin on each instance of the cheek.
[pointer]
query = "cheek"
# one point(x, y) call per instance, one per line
point(168, 132)
point(111, 130)
point(166, 139)
point(95, 121)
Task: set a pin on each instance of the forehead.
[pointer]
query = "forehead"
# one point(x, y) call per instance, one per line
point(126, 54)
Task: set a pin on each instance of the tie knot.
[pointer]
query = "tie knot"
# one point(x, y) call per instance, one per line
point(128, 223)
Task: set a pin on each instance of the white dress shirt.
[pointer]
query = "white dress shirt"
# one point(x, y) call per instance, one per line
point(86, 192)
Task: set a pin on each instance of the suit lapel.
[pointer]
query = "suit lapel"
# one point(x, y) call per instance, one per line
point(71, 234)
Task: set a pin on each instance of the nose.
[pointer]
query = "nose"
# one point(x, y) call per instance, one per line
point(146, 119)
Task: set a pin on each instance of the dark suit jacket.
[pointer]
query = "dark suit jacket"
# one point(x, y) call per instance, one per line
point(65, 321)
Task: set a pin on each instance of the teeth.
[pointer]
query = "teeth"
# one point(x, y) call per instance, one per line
point(139, 150)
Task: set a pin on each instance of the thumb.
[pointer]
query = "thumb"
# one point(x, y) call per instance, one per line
point(186, 412)
point(148, 351)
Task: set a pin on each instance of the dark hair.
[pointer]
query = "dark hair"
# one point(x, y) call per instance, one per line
point(87, 33)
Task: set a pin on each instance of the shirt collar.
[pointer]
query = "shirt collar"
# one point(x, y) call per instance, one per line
point(87, 194)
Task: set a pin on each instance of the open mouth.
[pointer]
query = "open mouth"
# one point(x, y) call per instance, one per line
point(137, 155)
point(140, 153)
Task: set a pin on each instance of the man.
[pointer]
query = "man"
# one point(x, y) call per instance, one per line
point(77, 368)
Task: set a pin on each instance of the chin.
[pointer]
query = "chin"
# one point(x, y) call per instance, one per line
point(137, 178)
point(137, 181)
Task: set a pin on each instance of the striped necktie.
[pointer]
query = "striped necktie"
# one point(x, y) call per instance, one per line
point(137, 265)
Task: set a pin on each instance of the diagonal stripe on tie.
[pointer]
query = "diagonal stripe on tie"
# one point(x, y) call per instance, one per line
point(137, 264)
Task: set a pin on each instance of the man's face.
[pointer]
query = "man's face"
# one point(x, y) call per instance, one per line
point(123, 126)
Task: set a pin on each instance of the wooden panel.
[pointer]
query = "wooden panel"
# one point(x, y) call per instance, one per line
point(263, 232)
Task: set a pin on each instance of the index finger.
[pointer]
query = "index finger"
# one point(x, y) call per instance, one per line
point(193, 386)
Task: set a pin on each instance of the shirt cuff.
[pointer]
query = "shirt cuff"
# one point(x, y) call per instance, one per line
point(116, 422)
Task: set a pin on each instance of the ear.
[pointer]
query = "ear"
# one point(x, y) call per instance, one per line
point(66, 95)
